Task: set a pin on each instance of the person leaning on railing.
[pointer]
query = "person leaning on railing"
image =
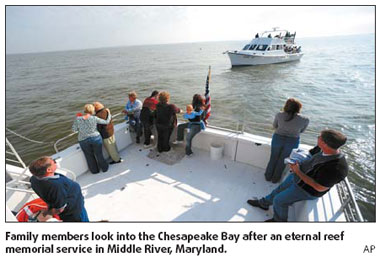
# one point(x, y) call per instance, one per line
point(107, 133)
point(90, 140)
point(310, 178)
point(288, 125)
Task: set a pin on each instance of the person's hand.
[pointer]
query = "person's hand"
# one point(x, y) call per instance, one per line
point(295, 167)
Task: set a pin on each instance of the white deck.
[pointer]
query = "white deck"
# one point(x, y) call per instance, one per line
point(194, 189)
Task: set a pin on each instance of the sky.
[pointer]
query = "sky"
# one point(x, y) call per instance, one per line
point(53, 28)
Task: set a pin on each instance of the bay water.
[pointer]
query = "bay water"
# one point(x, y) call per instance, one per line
point(335, 81)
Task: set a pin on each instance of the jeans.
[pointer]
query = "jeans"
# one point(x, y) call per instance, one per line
point(194, 130)
point(92, 149)
point(281, 147)
point(135, 125)
point(287, 193)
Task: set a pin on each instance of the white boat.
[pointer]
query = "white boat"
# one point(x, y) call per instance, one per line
point(214, 184)
point(270, 47)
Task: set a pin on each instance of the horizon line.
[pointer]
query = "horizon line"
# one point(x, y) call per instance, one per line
point(157, 44)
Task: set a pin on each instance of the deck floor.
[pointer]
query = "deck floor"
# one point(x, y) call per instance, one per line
point(195, 188)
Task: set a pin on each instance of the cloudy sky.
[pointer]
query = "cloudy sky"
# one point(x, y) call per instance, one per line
point(50, 28)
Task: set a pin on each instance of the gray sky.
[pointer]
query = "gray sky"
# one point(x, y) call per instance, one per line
point(45, 28)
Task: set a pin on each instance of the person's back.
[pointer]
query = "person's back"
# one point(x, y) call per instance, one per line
point(105, 130)
point(291, 128)
point(59, 191)
point(164, 114)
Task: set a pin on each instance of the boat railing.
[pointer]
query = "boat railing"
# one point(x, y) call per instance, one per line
point(349, 205)
point(114, 118)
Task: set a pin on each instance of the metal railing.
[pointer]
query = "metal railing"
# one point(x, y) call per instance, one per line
point(73, 133)
point(349, 205)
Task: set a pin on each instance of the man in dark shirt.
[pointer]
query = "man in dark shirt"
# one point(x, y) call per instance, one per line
point(310, 179)
point(62, 195)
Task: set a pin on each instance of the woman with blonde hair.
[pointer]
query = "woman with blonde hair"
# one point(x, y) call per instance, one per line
point(89, 138)
point(107, 133)
point(288, 125)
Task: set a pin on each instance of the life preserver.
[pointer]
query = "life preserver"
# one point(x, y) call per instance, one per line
point(30, 211)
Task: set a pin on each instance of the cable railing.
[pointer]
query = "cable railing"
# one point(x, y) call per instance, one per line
point(349, 205)
point(73, 133)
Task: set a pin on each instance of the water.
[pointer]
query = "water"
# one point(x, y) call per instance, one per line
point(335, 81)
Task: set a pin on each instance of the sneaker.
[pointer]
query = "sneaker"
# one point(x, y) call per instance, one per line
point(270, 220)
point(146, 146)
point(177, 142)
point(189, 155)
point(113, 162)
point(256, 203)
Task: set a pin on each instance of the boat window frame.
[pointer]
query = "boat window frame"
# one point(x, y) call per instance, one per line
point(253, 47)
point(264, 47)
point(246, 47)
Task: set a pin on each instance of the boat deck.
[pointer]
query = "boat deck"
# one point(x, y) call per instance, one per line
point(195, 188)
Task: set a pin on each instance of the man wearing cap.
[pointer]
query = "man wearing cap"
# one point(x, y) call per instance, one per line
point(62, 195)
point(309, 179)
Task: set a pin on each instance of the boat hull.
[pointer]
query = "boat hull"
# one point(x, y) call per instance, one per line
point(238, 59)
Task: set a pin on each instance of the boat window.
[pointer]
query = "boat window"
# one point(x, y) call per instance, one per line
point(246, 47)
point(274, 47)
point(262, 47)
point(279, 47)
point(252, 47)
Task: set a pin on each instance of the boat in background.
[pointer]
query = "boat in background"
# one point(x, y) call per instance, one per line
point(270, 47)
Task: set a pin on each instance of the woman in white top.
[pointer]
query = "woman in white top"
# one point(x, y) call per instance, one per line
point(90, 140)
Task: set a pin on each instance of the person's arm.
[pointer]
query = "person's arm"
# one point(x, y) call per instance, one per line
point(308, 180)
point(275, 122)
point(74, 128)
point(101, 121)
point(306, 124)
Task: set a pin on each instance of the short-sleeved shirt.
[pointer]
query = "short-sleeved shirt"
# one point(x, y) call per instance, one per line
point(326, 170)
point(58, 191)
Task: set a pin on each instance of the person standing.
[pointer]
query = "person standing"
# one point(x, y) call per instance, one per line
point(147, 116)
point(107, 133)
point(62, 195)
point(132, 111)
point(309, 179)
point(90, 140)
point(288, 125)
point(166, 120)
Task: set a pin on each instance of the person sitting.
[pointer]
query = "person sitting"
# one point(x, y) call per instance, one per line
point(310, 179)
point(147, 116)
point(195, 124)
point(288, 125)
point(166, 120)
point(62, 195)
point(89, 138)
point(107, 133)
point(132, 111)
